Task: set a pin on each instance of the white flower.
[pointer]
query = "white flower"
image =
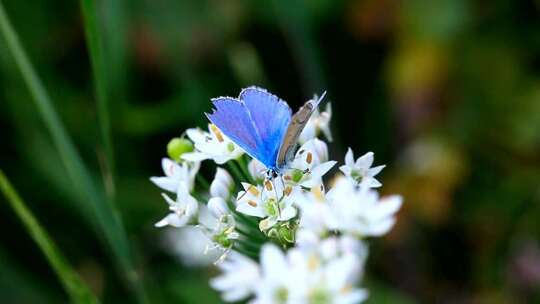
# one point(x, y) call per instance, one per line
point(309, 165)
point(360, 211)
point(222, 184)
point(240, 275)
point(278, 278)
point(212, 145)
point(182, 209)
point(304, 277)
point(334, 247)
point(218, 225)
point(272, 202)
point(316, 212)
point(361, 170)
point(319, 121)
point(176, 174)
point(331, 281)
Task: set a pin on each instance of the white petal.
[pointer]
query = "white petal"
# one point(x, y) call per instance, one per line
point(349, 158)
point(273, 263)
point(192, 206)
point(169, 167)
point(169, 200)
point(196, 135)
point(365, 161)
point(165, 183)
point(387, 206)
point(236, 294)
point(288, 213)
point(382, 227)
point(345, 169)
point(354, 296)
point(321, 169)
point(195, 156)
point(375, 170)
point(172, 219)
point(247, 209)
point(218, 207)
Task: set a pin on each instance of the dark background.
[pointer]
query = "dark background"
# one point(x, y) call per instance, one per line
point(446, 93)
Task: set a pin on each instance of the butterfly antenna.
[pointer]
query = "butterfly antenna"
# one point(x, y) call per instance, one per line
point(241, 196)
point(316, 104)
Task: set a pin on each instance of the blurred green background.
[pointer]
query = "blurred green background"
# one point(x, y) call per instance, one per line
point(446, 93)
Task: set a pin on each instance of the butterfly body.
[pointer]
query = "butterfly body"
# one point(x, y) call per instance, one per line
point(262, 125)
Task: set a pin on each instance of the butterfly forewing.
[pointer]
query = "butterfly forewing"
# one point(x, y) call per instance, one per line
point(232, 117)
point(271, 117)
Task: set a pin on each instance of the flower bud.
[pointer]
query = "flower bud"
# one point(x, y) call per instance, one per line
point(222, 184)
point(178, 146)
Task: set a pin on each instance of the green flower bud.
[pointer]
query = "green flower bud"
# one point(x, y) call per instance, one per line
point(283, 233)
point(297, 175)
point(178, 146)
point(286, 234)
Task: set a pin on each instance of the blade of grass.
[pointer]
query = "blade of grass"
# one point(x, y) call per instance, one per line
point(94, 42)
point(92, 201)
point(75, 287)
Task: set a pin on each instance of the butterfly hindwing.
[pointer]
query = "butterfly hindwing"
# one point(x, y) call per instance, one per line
point(294, 129)
point(271, 117)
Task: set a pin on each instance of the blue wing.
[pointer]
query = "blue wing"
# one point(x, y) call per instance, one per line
point(271, 117)
point(256, 122)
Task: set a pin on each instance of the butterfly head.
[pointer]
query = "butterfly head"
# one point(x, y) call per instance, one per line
point(271, 174)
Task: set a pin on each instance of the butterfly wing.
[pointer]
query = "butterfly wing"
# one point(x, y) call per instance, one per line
point(232, 117)
point(297, 124)
point(271, 117)
point(256, 122)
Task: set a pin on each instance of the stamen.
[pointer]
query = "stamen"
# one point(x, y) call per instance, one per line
point(313, 263)
point(252, 204)
point(216, 131)
point(287, 190)
point(268, 185)
point(318, 194)
point(253, 190)
point(309, 158)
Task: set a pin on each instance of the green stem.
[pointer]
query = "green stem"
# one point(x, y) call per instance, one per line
point(235, 171)
point(204, 183)
point(241, 162)
point(75, 287)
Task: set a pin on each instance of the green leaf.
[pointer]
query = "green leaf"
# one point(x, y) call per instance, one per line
point(75, 287)
point(102, 90)
point(92, 201)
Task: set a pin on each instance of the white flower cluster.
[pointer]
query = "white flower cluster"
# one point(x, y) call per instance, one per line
point(284, 240)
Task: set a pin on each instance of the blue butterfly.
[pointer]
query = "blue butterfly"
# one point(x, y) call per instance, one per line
point(263, 125)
